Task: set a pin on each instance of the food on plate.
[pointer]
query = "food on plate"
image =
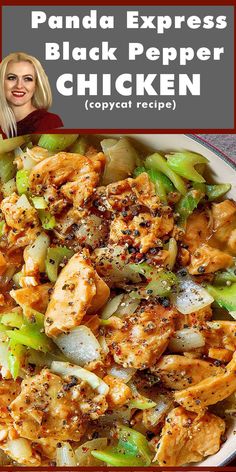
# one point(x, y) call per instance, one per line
point(117, 304)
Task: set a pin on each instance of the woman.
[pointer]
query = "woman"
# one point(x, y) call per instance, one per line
point(25, 96)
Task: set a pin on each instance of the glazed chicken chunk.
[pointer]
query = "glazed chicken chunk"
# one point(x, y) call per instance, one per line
point(140, 339)
point(77, 291)
point(51, 407)
point(67, 177)
point(187, 437)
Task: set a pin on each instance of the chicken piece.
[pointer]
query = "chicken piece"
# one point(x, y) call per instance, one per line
point(220, 334)
point(208, 259)
point(209, 391)
point(9, 389)
point(125, 193)
point(49, 407)
point(224, 220)
point(77, 291)
point(196, 319)
point(23, 222)
point(198, 230)
point(33, 297)
point(140, 339)
point(222, 355)
point(178, 372)
point(67, 176)
point(119, 393)
point(188, 438)
point(143, 231)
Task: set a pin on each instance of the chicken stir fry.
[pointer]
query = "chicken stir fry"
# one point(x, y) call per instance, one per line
point(117, 305)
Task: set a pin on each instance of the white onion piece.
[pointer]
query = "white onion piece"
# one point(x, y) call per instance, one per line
point(122, 373)
point(83, 452)
point(127, 306)
point(186, 339)
point(24, 203)
point(66, 370)
point(19, 450)
point(111, 307)
point(79, 345)
point(65, 455)
point(190, 297)
point(173, 250)
point(110, 264)
point(4, 354)
point(91, 231)
point(152, 417)
point(104, 346)
point(121, 160)
point(35, 255)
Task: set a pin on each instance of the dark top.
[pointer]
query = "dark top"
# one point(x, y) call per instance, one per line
point(37, 122)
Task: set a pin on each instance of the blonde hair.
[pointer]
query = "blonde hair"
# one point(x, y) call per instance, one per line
point(42, 97)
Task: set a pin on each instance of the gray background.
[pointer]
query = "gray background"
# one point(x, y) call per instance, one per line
point(225, 142)
point(213, 109)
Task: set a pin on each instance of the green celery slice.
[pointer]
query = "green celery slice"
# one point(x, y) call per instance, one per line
point(159, 163)
point(57, 142)
point(55, 256)
point(183, 164)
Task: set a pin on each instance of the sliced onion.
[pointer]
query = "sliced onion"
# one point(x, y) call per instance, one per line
point(121, 160)
point(190, 297)
point(152, 417)
point(83, 452)
point(186, 339)
point(19, 450)
point(35, 255)
point(91, 231)
point(173, 250)
point(111, 307)
point(112, 264)
point(24, 203)
point(65, 455)
point(79, 345)
point(128, 306)
point(124, 374)
point(66, 370)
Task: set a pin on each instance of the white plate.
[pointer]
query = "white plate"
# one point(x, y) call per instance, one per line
point(222, 170)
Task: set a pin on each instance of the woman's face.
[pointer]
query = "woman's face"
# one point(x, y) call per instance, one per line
point(20, 83)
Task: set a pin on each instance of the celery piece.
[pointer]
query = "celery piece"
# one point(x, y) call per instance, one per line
point(66, 369)
point(142, 403)
point(227, 276)
point(48, 221)
point(129, 437)
point(31, 337)
point(187, 204)
point(80, 146)
point(39, 203)
point(7, 167)
point(2, 224)
point(216, 191)
point(13, 319)
point(139, 170)
point(16, 278)
point(116, 458)
point(159, 163)
point(183, 164)
point(22, 181)
point(9, 187)
point(15, 357)
point(2, 327)
point(161, 281)
point(57, 142)
point(33, 317)
point(224, 296)
point(55, 256)
point(7, 145)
